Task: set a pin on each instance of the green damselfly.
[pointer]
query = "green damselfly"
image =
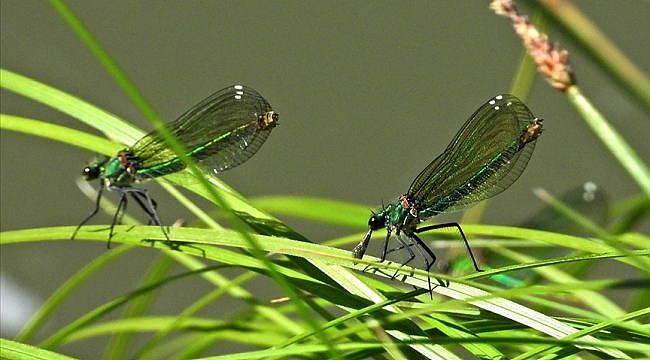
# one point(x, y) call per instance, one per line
point(219, 133)
point(485, 157)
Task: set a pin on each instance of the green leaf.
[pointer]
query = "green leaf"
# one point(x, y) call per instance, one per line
point(114, 127)
point(13, 350)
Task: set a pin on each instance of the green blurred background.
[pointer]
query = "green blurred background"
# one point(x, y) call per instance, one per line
point(369, 92)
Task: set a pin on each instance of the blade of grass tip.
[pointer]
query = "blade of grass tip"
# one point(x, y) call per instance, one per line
point(263, 223)
point(616, 144)
point(119, 344)
point(114, 127)
point(259, 221)
point(65, 290)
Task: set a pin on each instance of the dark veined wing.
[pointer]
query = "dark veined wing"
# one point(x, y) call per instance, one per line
point(485, 157)
point(219, 133)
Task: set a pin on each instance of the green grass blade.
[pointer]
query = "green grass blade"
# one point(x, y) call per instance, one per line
point(114, 127)
point(118, 75)
point(58, 133)
point(118, 346)
point(322, 210)
point(64, 291)
point(616, 144)
point(593, 299)
point(451, 328)
point(62, 335)
point(14, 350)
point(587, 331)
point(188, 313)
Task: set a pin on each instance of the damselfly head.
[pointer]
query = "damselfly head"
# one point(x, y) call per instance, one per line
point(374, 223)
point(90, 173)
point(94, 170)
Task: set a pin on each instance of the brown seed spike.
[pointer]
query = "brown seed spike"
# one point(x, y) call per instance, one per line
point(551, 59)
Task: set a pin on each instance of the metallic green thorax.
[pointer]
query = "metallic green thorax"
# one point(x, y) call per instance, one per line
point(111, 170)
point(402, 216)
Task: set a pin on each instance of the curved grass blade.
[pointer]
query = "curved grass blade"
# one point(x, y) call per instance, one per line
point(114, 127)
